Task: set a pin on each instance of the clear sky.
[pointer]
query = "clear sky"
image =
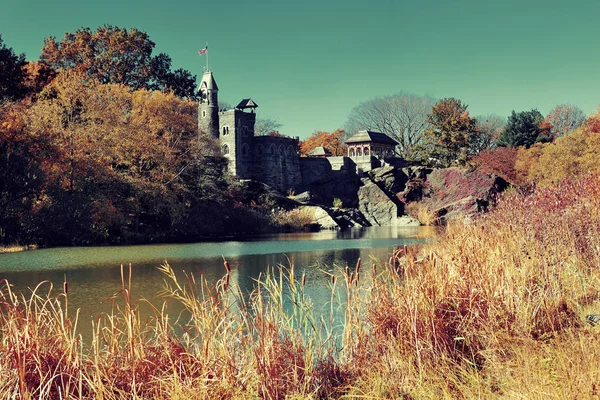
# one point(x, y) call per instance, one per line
point(307, 63)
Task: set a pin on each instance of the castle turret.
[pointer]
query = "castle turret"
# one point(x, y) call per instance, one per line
point(208, 107)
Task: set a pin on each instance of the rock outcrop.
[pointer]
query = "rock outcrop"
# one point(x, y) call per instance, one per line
point(455, 193)
point(375, 205)
point(321, 217)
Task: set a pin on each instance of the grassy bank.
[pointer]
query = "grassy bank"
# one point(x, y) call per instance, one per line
point(495, 309)
point(16, 248)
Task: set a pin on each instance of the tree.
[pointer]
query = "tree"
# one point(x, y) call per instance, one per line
point(117, 55)
point(21, 177)
point(401, 116)
point(449, 134)
point(265, 126)
point(500, 161)
point(331, 141)
point(12, 74)
point(563, 119)
point(488, 130)
point(571, 156)
point(38, 76)
point(124, 162)
point(522, 129)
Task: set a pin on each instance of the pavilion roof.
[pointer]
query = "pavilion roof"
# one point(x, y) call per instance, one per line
point(371, 136)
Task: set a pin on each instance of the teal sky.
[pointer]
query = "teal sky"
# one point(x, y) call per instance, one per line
point(307, 63)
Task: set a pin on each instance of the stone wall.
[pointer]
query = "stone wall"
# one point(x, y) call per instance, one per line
point(276, 162)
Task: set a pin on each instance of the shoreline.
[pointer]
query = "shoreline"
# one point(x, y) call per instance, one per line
point(15, 248)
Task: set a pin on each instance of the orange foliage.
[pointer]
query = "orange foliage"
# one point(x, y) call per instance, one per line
point(331, 141)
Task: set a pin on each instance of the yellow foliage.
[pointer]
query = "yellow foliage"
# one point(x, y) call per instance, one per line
point(568, 157)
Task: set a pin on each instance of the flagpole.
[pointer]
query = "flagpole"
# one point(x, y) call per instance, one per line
point(206, 56)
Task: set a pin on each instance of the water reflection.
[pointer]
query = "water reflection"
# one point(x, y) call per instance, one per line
point(94, 273)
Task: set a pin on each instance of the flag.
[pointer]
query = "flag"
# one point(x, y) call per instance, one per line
point(203, 51)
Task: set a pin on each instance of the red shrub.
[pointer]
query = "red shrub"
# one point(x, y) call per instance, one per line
point(499, 161)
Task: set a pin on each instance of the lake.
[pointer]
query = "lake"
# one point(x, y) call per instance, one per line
point(94, 273)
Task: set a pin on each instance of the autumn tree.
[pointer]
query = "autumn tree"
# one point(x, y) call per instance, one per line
point(449, 134)
point(12, 74)
point(563, 119)
point(522, 129)
point(331, 141)
point(571, 156)
point(117, 55)
point(125, 164)
point(401, 116)
point(499, 161)
point(21, 175)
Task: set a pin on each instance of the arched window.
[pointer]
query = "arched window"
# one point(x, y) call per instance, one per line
point(272, 150)
point(358, 152)
point(280, 150)
point(245, 149)
point(290, 150)
point(225, 130)
point(352, 153)
point(225, 149)
point(203, 113)
point(259, 150)
point(244, 130)
point(366, 151)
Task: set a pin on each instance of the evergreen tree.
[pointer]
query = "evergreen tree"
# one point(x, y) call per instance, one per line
point(522, 129)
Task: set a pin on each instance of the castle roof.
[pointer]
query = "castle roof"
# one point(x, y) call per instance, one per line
point(371, 136)
point(208, 81)
point(319, 152)
point(246, 103)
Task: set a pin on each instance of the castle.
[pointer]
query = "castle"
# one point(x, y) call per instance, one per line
point(274, 160)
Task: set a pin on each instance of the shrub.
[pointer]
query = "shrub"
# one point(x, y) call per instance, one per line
point(295, 219)
point(422, 212)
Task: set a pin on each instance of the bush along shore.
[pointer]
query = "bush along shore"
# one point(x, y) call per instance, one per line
point(502, 307)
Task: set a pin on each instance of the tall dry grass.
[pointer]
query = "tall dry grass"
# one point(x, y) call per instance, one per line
point(494, 309)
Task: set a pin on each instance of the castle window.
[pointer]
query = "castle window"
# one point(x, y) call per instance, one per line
point(203, 113)
point(225, 149)
point(225, 130)
point(245, 149)
point(272, 150)
point(280, 150)
point(259, 150)
point(366, 151)
point(352, 153)
point(245, 130)
point(359, 152)
point(290, 150)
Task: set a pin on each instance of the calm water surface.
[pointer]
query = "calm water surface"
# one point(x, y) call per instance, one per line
point(94, 273)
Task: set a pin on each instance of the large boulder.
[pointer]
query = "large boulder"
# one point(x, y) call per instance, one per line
point(302, 198)
point(376, 206)
point(390, 179)
point(348, 218)
point(457, 193)
point(321, 217)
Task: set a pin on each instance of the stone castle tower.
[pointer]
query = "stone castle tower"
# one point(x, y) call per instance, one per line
point(269, 159)
point(208, 106)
